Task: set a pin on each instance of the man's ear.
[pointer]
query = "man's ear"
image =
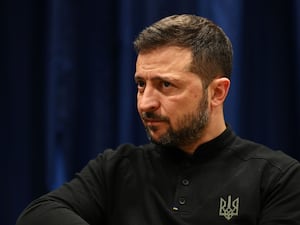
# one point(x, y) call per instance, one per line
point(219, 89)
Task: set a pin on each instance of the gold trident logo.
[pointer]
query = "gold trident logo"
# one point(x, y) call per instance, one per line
point(230, 208)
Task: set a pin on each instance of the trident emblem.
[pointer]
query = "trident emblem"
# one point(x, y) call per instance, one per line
point(230, 208)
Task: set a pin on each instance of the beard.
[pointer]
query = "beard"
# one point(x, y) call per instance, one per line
point(190, 128)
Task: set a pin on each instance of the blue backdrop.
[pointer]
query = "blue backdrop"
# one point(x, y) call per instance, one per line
point(67, 89)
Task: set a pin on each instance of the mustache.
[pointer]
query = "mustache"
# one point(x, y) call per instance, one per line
point(154, 116)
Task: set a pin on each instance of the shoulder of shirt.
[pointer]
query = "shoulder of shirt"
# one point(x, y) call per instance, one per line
point(247, 150)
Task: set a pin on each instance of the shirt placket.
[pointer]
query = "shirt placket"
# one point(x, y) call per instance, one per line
point(182, 199)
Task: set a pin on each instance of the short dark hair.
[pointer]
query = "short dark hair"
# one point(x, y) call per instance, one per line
point(211, 48)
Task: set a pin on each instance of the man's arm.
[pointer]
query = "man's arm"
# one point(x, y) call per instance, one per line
point(78, 202)
point(49, 212)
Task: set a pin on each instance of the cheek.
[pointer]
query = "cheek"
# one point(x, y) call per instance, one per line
point(190, 100)
point(177, 107)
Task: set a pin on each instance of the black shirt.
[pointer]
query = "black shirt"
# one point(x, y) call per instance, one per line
point(228, 180)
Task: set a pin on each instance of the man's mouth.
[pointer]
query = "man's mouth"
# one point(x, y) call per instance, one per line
point(152, 120)
point(152, 117)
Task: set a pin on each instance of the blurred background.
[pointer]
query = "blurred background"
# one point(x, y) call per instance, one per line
point(67, 88)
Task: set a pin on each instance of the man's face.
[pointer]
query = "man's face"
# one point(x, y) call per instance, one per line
point(171, 101)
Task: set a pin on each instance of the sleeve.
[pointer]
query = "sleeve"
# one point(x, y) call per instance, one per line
point(282, 202)
point(81, 201)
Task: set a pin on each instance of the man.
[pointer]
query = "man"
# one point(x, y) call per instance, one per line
point(195, 170)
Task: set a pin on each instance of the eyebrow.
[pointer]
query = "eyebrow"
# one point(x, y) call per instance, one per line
point(155, 78)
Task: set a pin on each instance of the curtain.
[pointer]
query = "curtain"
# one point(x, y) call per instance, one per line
point(67, 88)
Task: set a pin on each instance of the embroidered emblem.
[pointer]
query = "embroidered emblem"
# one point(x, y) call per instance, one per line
point(230, 208)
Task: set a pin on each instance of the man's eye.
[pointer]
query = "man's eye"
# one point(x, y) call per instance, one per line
point(166, 84)
point(140, 84)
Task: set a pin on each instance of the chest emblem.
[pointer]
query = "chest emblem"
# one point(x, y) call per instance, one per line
point(229, 208)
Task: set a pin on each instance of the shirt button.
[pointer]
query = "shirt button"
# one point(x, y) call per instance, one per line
point(175, 208)
point(185, 182)
point(182, 201)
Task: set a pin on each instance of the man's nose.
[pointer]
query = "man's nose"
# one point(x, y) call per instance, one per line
point(148, 100)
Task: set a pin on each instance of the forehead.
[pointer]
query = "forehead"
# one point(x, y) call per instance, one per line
point(164, 59)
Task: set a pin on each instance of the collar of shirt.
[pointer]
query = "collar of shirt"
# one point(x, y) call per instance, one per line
point(205, 151)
